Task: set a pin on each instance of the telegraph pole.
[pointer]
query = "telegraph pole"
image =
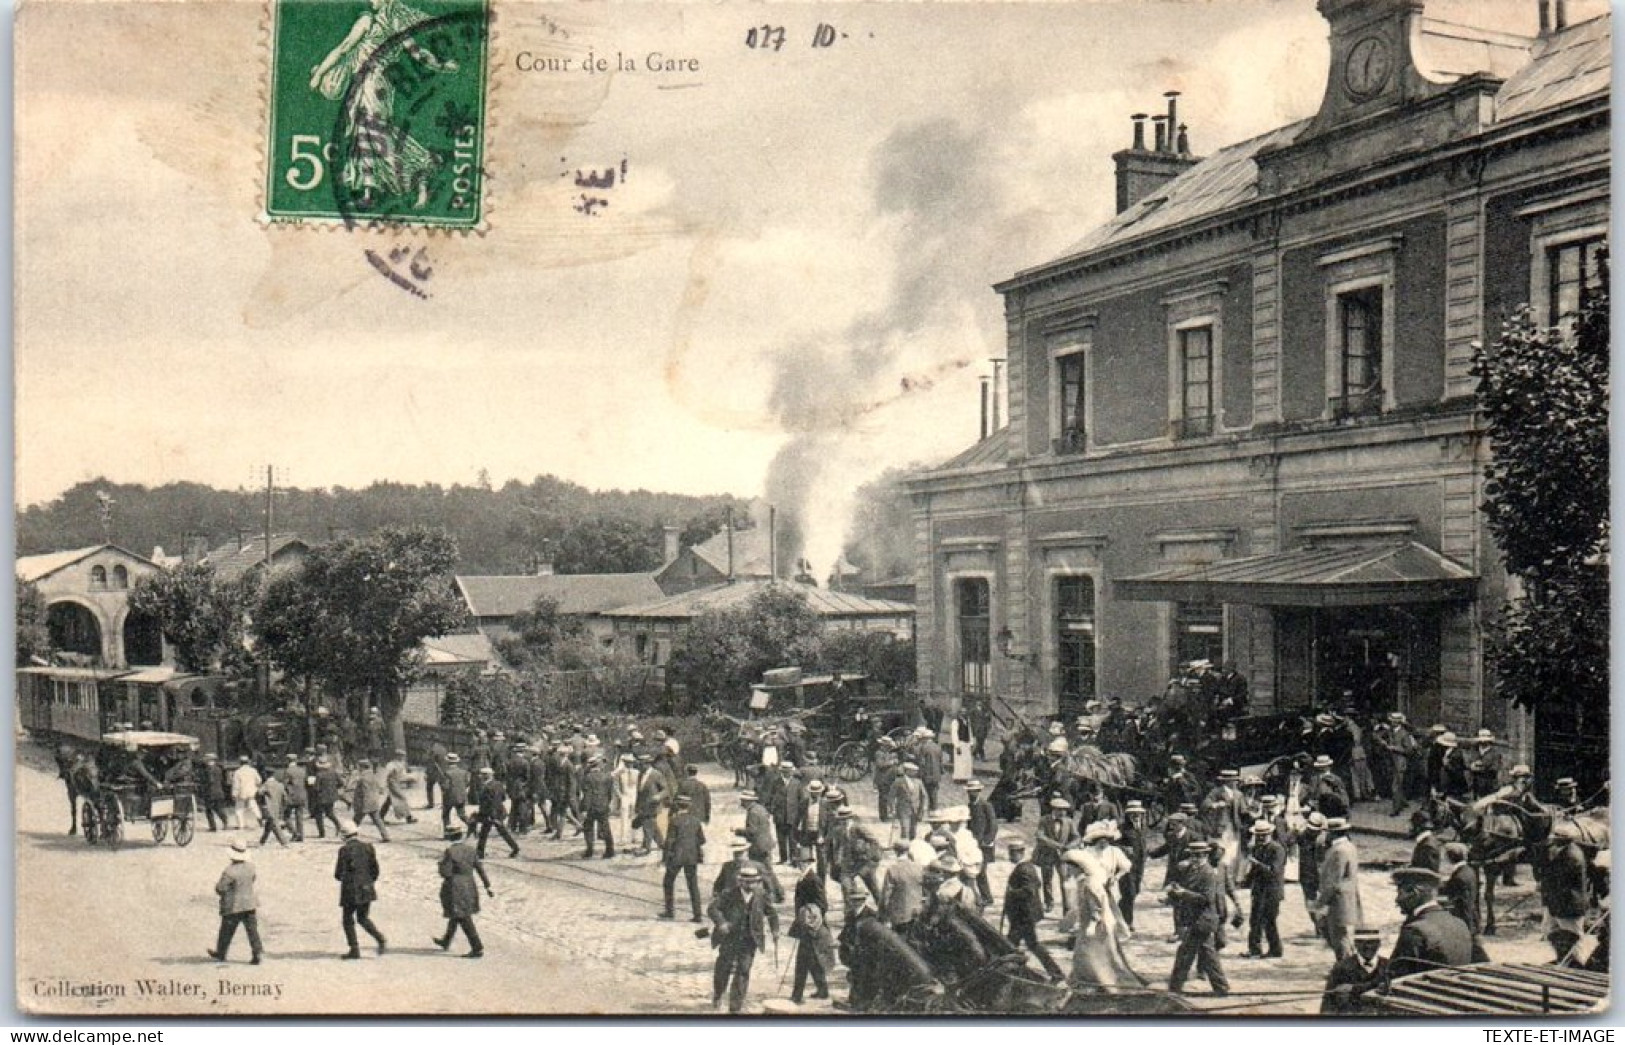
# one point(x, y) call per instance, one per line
point(270, 510)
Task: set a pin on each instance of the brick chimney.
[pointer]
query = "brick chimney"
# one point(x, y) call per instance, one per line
point(672, 547)
point(1141, 170)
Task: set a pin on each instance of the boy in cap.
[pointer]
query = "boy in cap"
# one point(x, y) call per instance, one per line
point(1352, 976)
point(238, 905)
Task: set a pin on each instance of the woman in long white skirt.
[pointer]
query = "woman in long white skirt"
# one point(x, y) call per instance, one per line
point(964, 743)
point(1098, 959)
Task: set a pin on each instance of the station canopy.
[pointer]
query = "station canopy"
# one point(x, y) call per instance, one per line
point(1381, 575)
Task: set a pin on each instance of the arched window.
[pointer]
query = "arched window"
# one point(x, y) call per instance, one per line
point(121, 577)
point(98, 576)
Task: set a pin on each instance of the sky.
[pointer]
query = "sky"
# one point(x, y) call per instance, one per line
point(790, 289)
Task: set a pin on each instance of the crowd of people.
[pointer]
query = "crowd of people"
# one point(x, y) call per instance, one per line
point(916, 905)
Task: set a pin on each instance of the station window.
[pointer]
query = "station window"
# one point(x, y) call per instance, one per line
point(98, 576)
point(1195, 383)
point(121, 577)
point(975, 620)
point(1075, 642)
point(1574, 272)
point(1360, 348)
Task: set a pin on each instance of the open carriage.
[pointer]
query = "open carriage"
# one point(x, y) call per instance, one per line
point(131, 766)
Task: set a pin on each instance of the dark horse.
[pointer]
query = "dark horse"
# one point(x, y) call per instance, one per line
point(1500, 835)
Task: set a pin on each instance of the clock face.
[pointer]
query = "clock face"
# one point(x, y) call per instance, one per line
point(1367, 68)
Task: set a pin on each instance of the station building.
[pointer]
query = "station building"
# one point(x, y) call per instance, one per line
point(1241, 418)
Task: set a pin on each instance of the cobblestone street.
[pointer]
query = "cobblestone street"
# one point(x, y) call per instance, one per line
point(563, 934)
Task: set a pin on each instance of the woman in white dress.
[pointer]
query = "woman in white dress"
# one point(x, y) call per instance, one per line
point(626, 796)
point(1098, 960)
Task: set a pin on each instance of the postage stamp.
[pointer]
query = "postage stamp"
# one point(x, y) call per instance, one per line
point(377, 112)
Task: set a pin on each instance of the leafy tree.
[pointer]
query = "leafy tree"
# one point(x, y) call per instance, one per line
point(1544, 395)
point(200, 615)
point(33, 633)
point(358, 610)
point(608, 545)
point(719, 654)
point(537, 635)
point(501, 701)
point(887, 660)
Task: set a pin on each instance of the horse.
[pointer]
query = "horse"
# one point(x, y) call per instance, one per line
point(1501, 835)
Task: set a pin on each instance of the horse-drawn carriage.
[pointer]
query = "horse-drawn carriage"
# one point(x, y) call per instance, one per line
point(830, 714)
point(131, 786)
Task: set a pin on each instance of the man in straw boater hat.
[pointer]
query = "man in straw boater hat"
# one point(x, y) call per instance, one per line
point(1339, 904)
point(1484, 764)
point(1327, 792)
point(459, 897)
point(239, 905)
point(357, 874)
point(491, 798)
point(908, 800)
point(1399, 747)
point(1055, 835)
point(984, 827)
point(454, 791)
point(1265, 878)
point(741, 921)
point(1133, 843)
point(1198, 907)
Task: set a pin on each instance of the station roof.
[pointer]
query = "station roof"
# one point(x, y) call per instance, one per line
point(1404, 572)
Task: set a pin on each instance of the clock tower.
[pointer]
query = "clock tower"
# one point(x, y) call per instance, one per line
point(1398, 80)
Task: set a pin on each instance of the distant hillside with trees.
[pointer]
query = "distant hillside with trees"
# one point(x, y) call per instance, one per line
point(507, 529)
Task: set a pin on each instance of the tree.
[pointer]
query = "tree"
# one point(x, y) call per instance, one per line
point(719, 654)
point(1544, 395)
point(537, 635)
point(200, 615)
point(608, 545)
point(886, 659)
point(33, 633)
point(356, 612)
point(881, 538)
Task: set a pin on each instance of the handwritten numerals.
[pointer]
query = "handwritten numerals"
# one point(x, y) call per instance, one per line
point(824, 35)
point(765, 38)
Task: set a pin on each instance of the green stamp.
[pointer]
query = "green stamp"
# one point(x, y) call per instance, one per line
point(377, 112)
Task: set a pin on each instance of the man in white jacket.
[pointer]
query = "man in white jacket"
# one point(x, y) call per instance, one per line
point(245, 784)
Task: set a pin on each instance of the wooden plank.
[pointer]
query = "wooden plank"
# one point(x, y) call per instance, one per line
point(1467, 1000)
point(1526, 986)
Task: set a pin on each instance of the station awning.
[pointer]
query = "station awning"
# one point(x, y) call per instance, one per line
point(1382, 575)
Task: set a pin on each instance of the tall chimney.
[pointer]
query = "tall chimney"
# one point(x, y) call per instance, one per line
point(1545, 17)
point(729, 527)
point(997, 393)
point(671, 535)
point(984, 429)
point(1141, 171)
point(1560, 14)
point(773, 542)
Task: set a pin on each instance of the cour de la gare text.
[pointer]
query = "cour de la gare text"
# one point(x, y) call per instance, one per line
point(1550, 1036)
point(593, 63)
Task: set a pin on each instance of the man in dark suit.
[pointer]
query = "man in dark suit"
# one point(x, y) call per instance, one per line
point(1198, 907)
point(1056, 833)
point(984, 827)
point(1024, 908)
point(698, 795)
point(597, 796)
point(1431, 937)
point(1176, 839)
point(325, 796)
point(741, 919)
point(1132, 842)
point(454, 787)
point(357, 875)
point(683, 853)
point(1428, 851)
point(1459, 894)
point(1563, 889)
point(490, 799)
point(1266, 879)
point(1353, 975)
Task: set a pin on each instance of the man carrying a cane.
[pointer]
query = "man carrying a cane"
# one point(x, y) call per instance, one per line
point(741, 919)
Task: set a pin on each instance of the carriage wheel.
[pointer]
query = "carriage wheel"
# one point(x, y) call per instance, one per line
point(851, 761)
point(160, 830)
point(90, 823)
point(183, 830)
point(114, 834)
